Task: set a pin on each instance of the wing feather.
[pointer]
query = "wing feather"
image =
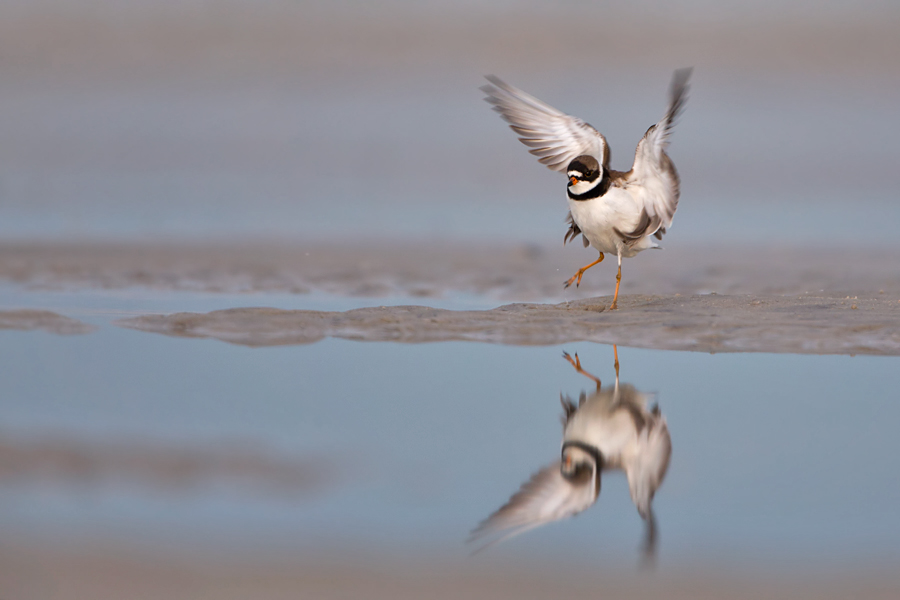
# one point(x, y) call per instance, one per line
point(653, 169)
point(553, 136)
point(546, 497)
point(574, 231)
point(647, 469)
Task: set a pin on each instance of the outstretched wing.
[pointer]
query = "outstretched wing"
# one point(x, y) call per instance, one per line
point(546, 497)
point(652, 168)
point(647, 468)
point(553, 136)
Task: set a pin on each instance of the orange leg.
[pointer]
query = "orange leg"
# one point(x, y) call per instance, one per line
point(576, 278)
point(577, 364)
point(616, 354)
point(613, 306)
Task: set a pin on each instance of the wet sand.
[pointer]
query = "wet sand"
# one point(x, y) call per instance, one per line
point(427, 268)
point(27, 320)
point(241, 37)
point(708, 299)
point(712, 323)
point(83, 463)
point(98, 572)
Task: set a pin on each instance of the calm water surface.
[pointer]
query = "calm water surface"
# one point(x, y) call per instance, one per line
point(776, 459)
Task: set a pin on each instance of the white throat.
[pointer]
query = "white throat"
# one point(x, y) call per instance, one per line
point(584, 186)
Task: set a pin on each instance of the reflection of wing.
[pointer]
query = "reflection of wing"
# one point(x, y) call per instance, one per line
point(652, 167)
point(546, 497)
point(646, 470)
point(553, 136)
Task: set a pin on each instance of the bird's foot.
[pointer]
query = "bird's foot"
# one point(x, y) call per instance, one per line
point(576, 279)
point(575, 363)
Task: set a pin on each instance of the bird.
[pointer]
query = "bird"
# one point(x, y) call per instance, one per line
point(608, 430)
point(616, 212)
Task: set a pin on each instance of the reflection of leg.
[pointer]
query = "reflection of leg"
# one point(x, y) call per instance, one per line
point(648, 548)
point(616, 354)
point(577, 364)
point(614, 306)
point(576, 278)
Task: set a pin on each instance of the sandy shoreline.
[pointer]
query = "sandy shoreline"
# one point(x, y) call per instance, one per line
point(504, 272)
point(73, 461)
point(708, 299)
point(712, 323)
point(98, 572)
point(28, 320)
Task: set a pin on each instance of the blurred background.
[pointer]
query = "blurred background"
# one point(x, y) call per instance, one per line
point(134, 464)
point(201, 119)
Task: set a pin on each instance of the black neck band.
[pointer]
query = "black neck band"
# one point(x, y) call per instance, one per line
point(592, 450)
point(595, 192)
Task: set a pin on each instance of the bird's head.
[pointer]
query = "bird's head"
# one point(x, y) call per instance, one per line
point(579, 462)
point(584, 173)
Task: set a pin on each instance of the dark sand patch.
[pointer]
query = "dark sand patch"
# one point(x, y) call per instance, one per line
point(505, 273)
point(98, 572)
point(317, 39)
point(27, 320)
point(702, 323)
point(163, 467)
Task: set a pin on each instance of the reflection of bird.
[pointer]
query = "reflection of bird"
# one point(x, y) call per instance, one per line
point(615, 212)
point(609, 430)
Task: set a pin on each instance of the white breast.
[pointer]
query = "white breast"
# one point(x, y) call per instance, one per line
point(613, 433)
point(597, 219)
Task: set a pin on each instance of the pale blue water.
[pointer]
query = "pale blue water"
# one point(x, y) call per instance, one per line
point(778, 459)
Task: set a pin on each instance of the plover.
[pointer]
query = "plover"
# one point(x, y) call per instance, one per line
point(610, 429)
point(615, 212)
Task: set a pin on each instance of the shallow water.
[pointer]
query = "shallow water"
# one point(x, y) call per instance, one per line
point(777, 459)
